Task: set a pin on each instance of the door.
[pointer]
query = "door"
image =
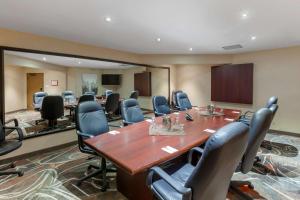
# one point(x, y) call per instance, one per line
point(35, 83)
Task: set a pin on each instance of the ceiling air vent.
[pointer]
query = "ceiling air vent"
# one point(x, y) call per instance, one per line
point(232, 47)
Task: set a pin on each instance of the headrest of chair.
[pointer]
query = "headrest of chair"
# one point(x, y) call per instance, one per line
point(130, 103)
point(40, 94)
point(272, 100)
point(160, 100)
point(89, 106)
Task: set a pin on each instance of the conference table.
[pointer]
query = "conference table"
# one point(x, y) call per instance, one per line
point(133, 151)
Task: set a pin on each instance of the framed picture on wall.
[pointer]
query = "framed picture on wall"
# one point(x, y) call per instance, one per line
point(54, 82)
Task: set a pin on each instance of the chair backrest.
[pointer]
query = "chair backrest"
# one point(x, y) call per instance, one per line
point(108, 92)
point(183, 101)
point(90, 93)
point(52, 107)
point(91, 119)
point(131, 111)
point(174, 100)
point(222, 153)
point(112, 102)
point(160, 105)
point(134, 94)
point(38, 99)
point(86, 97)
point(69, 96)
point(259, 126)
point(271, 101)
point(2, 133)
point(67, 93)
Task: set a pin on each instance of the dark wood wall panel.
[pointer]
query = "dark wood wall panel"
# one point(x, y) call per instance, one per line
point(232, 83)
point(142, 83)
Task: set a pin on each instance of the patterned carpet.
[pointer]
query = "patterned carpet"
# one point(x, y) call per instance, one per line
point(53, 175)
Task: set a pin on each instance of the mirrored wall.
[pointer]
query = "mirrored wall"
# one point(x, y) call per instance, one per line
point(42, 91)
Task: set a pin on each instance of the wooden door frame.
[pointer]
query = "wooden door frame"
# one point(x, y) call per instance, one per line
point(7, 48)
point(28, 75)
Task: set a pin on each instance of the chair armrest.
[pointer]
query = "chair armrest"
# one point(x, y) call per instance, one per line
point(158, 114)
point(187, 192)
point(13, 120)
point(146, 117)
point(194, 150)
point(18, 129)
point(84, 134)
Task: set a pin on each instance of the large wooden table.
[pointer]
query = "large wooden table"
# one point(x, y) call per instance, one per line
point(134, 151)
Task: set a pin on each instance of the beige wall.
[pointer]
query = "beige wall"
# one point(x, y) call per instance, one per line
point(276, 72)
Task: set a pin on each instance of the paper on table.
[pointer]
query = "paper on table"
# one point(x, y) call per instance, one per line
point(229, 119)
point(237, 112)
point(169, 149)
point(114, 132)
point(209, 130)
point(149, 120)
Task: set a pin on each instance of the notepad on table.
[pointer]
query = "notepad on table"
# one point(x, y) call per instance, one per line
point(114, 132)
point(229, 119)
point(169, 149)
point(209, 130)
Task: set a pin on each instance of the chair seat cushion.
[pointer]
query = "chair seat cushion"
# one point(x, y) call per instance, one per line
point(9, 146)
point(162, 188)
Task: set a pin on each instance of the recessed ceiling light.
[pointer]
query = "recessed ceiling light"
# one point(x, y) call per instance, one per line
point(158, 39)
point(44, 59)
point(253, 38)
point(108, 19)
point(244, 15)
point(191, 49)
point(79, 62)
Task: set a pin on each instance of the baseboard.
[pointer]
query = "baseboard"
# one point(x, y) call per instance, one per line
point(11, 112)
point(284, 133)
point(26, 155)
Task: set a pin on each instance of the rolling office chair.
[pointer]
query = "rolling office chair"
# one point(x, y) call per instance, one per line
point(108, 92)
point(112, 104)
point(131, 112)
point(259, 126)
point(91, 121)
point(183, 102)
point(246, 118)
point(86, 97)
point(38, 99)
point(52, 109)
point(69, 96)
point(134, 95)
point(160, 106)
point(174, 101)
point(210, 177)
point(7, 146)
point(90, 93)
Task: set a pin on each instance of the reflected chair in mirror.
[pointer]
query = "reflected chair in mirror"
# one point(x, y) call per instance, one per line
point(208, 172)
point(108, 92)
point(52, 109)
point(69, 97)
point(112, 105)
point(38, 99)
point(183, 102)
point(134, 95)
point(174, 100)
point(90, 122)
point(86, 97)
point(131, 112)
point(9, 145)
point(258, 128)
point(90, 93)
point(160, 106)
point(246, 117)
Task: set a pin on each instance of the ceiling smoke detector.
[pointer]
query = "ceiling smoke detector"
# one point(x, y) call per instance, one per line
point(232, 47)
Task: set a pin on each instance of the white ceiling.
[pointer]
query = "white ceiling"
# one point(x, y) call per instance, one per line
point(70, 62)
point(204, 25)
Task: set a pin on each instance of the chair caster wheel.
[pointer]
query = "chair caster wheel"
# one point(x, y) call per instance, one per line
point(89, 167)
point(78, 183)
point(20, 174)
point(13, 165)
point(251, 186)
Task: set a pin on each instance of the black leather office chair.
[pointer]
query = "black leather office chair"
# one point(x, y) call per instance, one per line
point(259, 126)
point(134, 95)
point(38, 99)
point(183, 102)
point(160, 106)
point(86, 97)
point(131, 112)
point(7, 146)
point(210, 178)
point(91, 121)
point(52, 109)
point(112, 104)
point(174, 100)
point(108, 92)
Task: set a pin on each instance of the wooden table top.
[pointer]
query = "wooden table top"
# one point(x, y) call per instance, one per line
point(134, 150)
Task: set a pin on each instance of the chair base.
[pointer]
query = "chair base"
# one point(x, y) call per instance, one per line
point(266, 170)
point(10, 172)
point(99, 171)
point(235, 185)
